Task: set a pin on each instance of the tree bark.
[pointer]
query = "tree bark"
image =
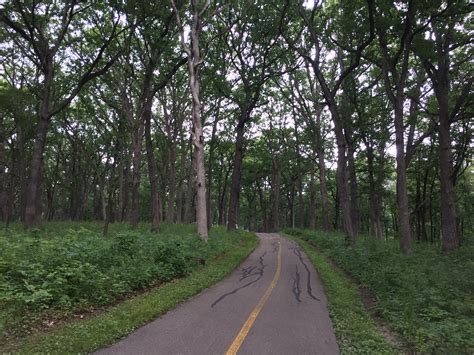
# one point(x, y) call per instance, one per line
point(232, 217)
point(312, 202)
point(152, 168)
point(275, 200)
point(449, 228)
point(33, 190)
point(354, 190)
point(170, 216)
point(402, 191)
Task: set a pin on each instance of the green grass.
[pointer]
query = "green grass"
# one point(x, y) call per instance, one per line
point(223, 253)
point(427, 297)
point(355, 330)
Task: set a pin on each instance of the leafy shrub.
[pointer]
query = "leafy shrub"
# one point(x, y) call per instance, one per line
point(71, 269)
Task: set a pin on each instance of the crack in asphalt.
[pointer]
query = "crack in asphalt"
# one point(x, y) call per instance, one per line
point(246, 273)
point(275, 247)
point(297, 252)
point(296, 285)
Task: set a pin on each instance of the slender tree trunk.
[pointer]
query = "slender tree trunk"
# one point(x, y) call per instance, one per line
point(324, 191)
point(354, 190)
point(275, 200)
point(232, 217)
point(3, 178)
point(372, 208)
point(152, 168)
point(19, 163)
point(312, 202)
point(263, 208)
point(172, 183)
point(222, 221)
point(402, 191)
point(181, 194)
point(189, 211)
point(210, 169)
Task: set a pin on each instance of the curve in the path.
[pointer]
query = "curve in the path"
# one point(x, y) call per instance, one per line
point(273, 304)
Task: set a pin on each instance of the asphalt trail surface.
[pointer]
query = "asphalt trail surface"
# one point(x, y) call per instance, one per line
point(273, 303)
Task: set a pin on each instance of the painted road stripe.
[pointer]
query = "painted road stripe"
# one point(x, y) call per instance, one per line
point(239, 339)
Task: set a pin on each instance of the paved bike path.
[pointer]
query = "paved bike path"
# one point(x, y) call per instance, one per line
point(274, 303)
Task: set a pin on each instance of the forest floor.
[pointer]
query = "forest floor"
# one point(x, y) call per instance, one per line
point(425, 298)
point(65, 288)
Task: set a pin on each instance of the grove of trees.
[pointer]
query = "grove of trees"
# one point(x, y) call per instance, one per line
point(339, 115)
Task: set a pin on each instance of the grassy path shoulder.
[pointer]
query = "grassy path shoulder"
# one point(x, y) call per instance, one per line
point(90, 334)
point(356, 332)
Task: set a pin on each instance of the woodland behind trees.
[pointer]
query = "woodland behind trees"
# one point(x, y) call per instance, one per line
point(336, 115)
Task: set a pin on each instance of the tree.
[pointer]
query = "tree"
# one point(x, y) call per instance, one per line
point(194, 61)
point(43, 33)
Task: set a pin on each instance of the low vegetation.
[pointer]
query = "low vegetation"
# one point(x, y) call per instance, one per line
point(427, 297)
point(68, 269)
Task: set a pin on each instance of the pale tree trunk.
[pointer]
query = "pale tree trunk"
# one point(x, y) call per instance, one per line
point(194, 60)
point(402, 191)
point(198, 137)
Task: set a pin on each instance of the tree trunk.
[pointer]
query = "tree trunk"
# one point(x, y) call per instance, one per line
point(402, 191)
point(3, 178)
point(275, 197)
point(341, 180)
point(263, 208)
point(181, 194)
point(324, 191)
point(222, 197)
point(449, 228)
point(210, 168)
point(33, 190)
point(189, 211)
point(198, 141)
point(312, 202)
point(354, 190)
point(152, 168)
point(172, 183)
point(233, 217)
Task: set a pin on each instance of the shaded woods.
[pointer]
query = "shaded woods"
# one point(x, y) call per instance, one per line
point(258, 114)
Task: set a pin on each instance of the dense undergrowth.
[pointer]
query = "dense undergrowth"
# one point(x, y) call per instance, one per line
point(427, 297)
point(66, 268)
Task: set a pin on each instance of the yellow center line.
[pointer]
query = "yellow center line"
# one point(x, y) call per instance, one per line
point(239, 339)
